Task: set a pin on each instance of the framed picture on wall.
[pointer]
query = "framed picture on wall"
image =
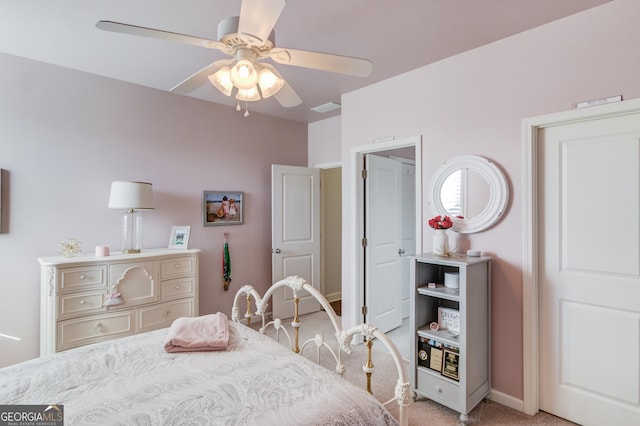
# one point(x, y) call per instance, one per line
point(223, 208)
point(179, 238)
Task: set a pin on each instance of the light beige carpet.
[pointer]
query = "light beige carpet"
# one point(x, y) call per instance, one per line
point(422, 411)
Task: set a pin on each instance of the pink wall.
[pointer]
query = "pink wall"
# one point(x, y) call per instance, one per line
point(474, 103)
point(65, 135)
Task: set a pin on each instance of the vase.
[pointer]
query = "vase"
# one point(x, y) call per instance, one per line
point(441, 242)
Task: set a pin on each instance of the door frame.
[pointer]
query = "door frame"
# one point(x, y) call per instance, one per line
point(356, 231)
point(530, 238)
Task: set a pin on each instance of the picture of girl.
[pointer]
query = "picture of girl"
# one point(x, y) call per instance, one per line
point(222, 208)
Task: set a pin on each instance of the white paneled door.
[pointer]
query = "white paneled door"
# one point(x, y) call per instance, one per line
point(589, 270)
point(295, 233)
point(383, 258)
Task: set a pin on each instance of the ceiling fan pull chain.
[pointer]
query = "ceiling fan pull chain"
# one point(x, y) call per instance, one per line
point(238, 108)
point(246, 109)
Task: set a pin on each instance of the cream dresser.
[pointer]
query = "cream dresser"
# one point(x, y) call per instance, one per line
point(88, 299)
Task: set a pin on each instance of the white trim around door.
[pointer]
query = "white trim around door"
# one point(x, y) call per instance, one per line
point(355, 225)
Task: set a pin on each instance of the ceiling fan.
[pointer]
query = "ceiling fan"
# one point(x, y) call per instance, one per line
point(248, 39)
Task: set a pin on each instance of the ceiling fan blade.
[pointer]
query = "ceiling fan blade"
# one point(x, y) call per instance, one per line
point(199, 78)
point(323, 61)
point(287, 97)
point(118, 27)
point(257, 17)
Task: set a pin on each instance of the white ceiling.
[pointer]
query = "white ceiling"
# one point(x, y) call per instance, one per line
point(397, 36)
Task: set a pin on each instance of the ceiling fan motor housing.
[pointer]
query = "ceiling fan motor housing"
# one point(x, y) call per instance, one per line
point(228, 34)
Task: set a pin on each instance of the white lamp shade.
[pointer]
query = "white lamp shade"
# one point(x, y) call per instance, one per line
point(248, 95)
point(244, 75)
point(127, 195)
point(269, 81)
point(221, 79)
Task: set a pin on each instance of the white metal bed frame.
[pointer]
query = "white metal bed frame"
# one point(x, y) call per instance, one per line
point(343, 337)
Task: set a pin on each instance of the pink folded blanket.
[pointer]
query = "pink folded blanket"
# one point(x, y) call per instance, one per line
point(204, 333)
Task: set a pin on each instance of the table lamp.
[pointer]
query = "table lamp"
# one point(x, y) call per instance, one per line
point(131, 196)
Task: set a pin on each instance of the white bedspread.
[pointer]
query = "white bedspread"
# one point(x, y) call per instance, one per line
point(133, 381)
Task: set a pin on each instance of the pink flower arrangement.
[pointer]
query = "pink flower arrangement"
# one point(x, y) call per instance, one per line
point(440, 222)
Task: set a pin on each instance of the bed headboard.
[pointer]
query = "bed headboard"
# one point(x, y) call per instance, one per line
point(370, 334)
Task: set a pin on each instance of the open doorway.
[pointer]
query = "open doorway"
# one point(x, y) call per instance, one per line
point(311, 244)
point(331, 234)
point(407, 152)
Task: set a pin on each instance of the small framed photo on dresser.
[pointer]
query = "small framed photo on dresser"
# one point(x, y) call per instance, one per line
point(179, 238)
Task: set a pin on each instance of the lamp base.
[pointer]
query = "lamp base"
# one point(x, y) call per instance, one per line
point(131, 232)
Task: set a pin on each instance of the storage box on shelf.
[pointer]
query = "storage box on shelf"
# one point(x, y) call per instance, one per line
point(450, 328)
point(88, 299)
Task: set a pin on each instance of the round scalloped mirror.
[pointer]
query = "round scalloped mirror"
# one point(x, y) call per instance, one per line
point(470, 189)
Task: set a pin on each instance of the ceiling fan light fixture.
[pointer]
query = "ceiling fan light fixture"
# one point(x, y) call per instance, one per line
point(270, 82)
point(221, 79)
point(244, 74)
point(248, 95)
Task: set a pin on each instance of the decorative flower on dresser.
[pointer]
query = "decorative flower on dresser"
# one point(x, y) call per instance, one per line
point(70, 247)
point(440, 224)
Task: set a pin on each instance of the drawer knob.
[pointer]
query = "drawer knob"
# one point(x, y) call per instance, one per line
point(82, 302)
point(82, 276)
point(166, 313)
point(98, 327)
point(438, 389)
point(177, 266)
point(178, 287)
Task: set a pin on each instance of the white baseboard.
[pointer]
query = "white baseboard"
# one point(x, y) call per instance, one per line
point(332, 297)
point(506, 400)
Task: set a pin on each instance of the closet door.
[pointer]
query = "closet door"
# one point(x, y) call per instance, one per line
point(589, 224)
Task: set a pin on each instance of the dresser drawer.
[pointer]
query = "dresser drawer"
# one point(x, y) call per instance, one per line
point(175, 289)
point(96, 328)
point(74, 304)
point(438, 388)
point(163, 315)
point(82, 278)
point(177, 267)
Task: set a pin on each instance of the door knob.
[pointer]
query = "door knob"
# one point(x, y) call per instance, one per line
point(277, 251)
point(401, 252)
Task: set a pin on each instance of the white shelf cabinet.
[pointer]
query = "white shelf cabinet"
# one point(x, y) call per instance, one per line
point(156, 286)
point(464, 389)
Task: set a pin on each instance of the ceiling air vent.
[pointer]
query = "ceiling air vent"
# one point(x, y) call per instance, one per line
point(330, 106)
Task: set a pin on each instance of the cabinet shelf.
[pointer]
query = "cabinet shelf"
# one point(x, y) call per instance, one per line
point(441, 336)
point(436, 375)
point(440, 292)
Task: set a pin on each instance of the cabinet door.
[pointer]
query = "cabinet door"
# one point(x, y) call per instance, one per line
point(137, 283)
